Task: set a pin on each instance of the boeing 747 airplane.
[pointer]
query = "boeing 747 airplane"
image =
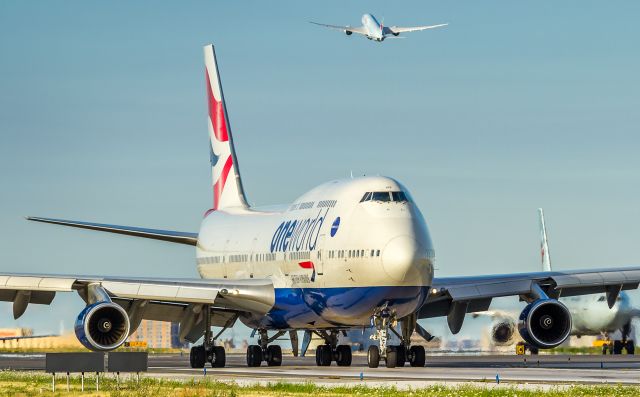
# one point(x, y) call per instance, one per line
point(349, 254)
point(376, 31)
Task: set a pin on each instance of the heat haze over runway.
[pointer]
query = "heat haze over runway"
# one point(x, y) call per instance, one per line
point(532, 371)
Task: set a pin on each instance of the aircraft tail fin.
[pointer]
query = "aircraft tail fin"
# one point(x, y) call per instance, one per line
point(227, 185)
point(544, 245)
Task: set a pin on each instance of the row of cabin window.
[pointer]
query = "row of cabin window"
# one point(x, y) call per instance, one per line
point(337, 254)
point(300, 255)
point(237, 258)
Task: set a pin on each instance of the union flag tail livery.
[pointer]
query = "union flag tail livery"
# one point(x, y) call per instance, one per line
point(227, 186)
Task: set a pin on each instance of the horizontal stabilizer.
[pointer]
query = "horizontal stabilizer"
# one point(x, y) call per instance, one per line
point(164, 235)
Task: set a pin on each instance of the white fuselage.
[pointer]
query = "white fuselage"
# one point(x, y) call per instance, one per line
point(373, 27)
point(333, 258)
point(591, 314)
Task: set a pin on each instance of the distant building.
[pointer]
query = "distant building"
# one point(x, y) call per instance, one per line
point(67, 340)
point(158, 334)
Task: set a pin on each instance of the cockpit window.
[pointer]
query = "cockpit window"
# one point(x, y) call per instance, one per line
point(366, 197)
point(397, 197)
point(601, 299)
point(380, 196)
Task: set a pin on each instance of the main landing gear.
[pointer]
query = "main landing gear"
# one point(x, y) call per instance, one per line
point(272, 354)
point(208, 352)
point(331, 351)
point(619, 345)
point(394, 356)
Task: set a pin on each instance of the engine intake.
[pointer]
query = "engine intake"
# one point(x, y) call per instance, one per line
point(348, 32)
point(502, 331)
point(102, 326)
point(545, 323)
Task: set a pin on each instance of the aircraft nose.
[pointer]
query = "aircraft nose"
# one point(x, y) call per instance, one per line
point(402, 255)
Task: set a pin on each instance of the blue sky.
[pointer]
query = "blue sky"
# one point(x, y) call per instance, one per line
point(512, 107)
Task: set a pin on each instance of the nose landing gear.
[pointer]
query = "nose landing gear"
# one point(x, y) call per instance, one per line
point(394, 356)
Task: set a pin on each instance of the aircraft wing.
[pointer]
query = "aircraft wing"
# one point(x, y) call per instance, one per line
point(453, 297)
point(400, 29)
point(359, 29)
point(176, 300)
point(156, 234)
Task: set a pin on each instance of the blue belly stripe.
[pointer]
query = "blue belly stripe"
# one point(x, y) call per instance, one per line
point(336, 307)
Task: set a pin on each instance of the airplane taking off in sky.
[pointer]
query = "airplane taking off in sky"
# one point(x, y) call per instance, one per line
point(348, 254)
point(591, 315)
point(374, 30)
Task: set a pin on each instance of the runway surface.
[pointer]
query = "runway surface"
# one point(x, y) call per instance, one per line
point(533, 370)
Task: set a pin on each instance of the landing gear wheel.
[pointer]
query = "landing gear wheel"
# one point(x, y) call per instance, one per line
point(605, 347)
point(392, 357)
point(254, 356)
point(617, 347)
point(219, 357)
point(197, 357)
point(323, 356)
point(373, 356)
point(343, 355)
point(533, 350)
point(631, 347)
point(402, 356)
point(274, 356)
point(417, 356)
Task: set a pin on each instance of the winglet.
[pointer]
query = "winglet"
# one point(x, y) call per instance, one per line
point(544, 245)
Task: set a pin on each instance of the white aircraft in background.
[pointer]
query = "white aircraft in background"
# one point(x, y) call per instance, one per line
point(349, 254)
point(374, 30)
point(591, 314)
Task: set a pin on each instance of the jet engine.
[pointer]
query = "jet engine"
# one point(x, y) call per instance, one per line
point(396, 34)
point(502, 331)
point(348, 32)
point(545, 323)
point(102, 326)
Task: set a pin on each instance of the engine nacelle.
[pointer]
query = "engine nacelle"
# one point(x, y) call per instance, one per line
point(395, 34)
point(102, 326)
point(502, 331)
point(545, 323)
point(348, 32)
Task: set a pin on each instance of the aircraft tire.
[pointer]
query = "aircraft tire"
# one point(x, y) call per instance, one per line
point(197, 356)
point(631, 347)
point(219, 357)
point(343, 355)
point(323, 356)
point(274, 356)
point(373, 356)
point(417, 356)
point(254, 356)
point(392, 357)
point(617, 347)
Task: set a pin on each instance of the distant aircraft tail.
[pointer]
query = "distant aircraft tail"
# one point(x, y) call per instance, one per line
point(227, 186)
point(544, 246)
